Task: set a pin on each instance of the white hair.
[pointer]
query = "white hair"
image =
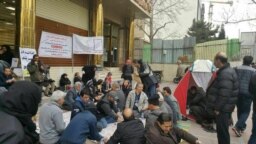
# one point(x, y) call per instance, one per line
point(56, 95)
point(78, 84)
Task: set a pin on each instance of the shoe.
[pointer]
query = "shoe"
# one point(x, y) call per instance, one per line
point(209, 129)
point(237, 132)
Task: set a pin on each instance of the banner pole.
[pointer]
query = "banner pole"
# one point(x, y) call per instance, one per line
point(72, 54)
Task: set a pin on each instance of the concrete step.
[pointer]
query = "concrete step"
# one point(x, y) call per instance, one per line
point(116, 73)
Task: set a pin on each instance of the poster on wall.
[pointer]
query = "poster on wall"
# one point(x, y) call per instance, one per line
point(26, 55)
point(87, 45)
point(55, 46)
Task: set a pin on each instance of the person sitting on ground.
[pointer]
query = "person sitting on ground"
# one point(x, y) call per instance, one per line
point(91, 86)
point(154, 111)
point(130, 131)
point(172, 102)
point(120, 96)
point(180, 72)
point(6, 78)
point(71, 96)
point(108, 109)
point(165, 107)
point(197, 104)
point(126, 87)
point(83, 103)
point(106, 86)
point(17, 107)
point(51, 122)
point(6, 54)
point(77, 77)
point(81, 127)
point(99, 87)
point(64, 82)
point(164, 132)
point(137, 100)
point(192, 92)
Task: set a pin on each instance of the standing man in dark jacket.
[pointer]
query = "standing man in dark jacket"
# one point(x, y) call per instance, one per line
point(222, 96)
point(36, 69)
point(252, 89)
point(244, 102)
point(17, 106)
point(131, 131)
point(127, 70)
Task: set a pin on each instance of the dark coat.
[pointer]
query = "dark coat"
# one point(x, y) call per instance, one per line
point(147, 76)
point(156, 136)
point(35, 71)
point(81, 127)
point(252, 89)
point(244, 74)
point(121, 99)
point(129, 132)
point(64, 81)
point(80, 106)
point(17, 106)
point(222, 94)
point(3, 80)
point(70, 99)
point(126, 90)
point(77, 79)
point(106, 108)
point(197, 99)
point(127, 72)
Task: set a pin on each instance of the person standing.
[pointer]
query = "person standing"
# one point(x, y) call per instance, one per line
point(17, 107)
point(252, 89)
point(244, 73)
point(136, 76)
point(7, 54)
point(130, 131)
point(137, 100)
point(222, 96)
point(180, 72)
point(127, 70)
point(51, 121)
point(64, 82)
point(36, 69)
point(148, 79)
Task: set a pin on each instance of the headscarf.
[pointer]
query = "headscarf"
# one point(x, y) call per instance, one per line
point(21, 101)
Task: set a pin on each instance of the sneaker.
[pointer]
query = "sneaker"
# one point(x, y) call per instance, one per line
point(209, 129)
point(237, 132)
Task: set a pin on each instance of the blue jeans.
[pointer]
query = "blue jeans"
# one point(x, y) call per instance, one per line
point(243, 111)
point(151, 90)
point(252, 139)
point(103, 122)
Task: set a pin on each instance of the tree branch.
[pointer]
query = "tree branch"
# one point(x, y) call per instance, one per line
point(254, 1)
point(161, 27)
point(142, 29)
point(238, 21)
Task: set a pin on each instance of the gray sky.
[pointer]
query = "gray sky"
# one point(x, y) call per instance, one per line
point(240, 10)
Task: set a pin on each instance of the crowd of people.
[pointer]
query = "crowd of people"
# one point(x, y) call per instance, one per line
point(94, 104)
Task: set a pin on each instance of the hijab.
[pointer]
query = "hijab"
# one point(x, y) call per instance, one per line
point(21, 101)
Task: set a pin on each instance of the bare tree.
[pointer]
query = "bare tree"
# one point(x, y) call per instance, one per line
point(163, 13)
point(230, 16)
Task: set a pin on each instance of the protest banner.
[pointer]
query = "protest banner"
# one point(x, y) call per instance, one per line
point(26, 55)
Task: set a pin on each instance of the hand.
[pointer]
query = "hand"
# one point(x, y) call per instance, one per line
point(216, 112)
point(198, 142)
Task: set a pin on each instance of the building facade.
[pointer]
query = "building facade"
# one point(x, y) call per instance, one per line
point(24, 20)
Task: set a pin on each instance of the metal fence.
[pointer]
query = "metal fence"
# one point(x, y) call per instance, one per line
point(169, 51)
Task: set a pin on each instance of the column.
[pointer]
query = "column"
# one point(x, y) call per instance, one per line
point(99, 28)
point(27, 24)
point(131, 39)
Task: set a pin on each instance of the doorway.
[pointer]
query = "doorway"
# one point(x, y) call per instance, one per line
point(111, 39)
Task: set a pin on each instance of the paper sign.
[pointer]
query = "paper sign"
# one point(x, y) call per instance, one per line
point(87, 45)
point(26, 55)
point(15, 62)
point(55, 46)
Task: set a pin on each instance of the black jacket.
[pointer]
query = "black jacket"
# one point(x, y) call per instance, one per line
point(129, 132)
point(198, 99)
point(106, 108)
point(127, 72)
point(222, 94)
point(252, 89)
